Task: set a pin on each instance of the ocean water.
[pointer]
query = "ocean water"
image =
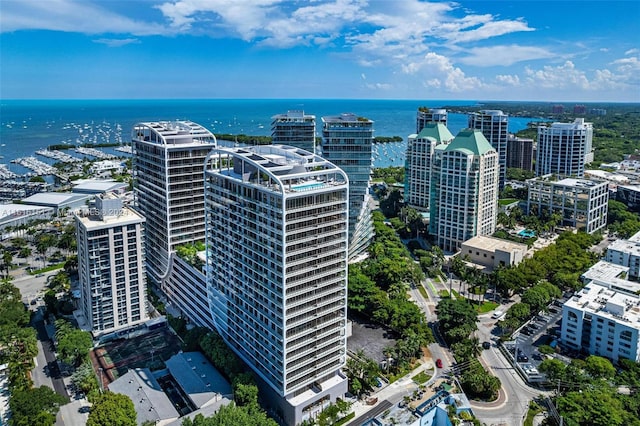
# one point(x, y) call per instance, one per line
point(29, 125)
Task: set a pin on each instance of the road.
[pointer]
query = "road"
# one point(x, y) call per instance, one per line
point(513, 400)
point(50, 367)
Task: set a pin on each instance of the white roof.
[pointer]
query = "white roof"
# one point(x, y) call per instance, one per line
point(14, 210)
point(55, 199)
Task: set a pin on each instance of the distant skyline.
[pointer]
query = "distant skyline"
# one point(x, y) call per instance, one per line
point(555, 51)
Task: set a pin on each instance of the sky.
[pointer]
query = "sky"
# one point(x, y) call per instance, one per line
point(544, 50)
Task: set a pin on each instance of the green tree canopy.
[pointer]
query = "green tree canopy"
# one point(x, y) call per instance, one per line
point(35, 406)
point(112, 409)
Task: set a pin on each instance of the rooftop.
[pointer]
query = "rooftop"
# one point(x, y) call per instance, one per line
point(172, 133)
point(281, 168)
point(93, 219)
point(607, 303)
point(492, 244)
point(56, 199)
point(97, 186)
point(470, 141)
point(150, 402)
point(198, 378)
point(437, 131)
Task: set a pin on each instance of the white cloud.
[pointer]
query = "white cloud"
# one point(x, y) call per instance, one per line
point(114, 42)
point(453, 78)
point(487, 29)
point(632, 51)
point(71, 16)
point(560, 77)
point(509, 80)
point(379, 86)
point(504, 55)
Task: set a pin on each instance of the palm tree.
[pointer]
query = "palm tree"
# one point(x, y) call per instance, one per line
point(7, 261)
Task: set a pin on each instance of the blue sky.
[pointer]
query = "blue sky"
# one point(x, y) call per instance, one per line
point(585, 51)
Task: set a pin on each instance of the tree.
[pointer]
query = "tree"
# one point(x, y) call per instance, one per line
point(599, 367)
point(231, 415)
point(7, 261)
point(598, 407)
point(36, 406)
point(73, 344)
point(554, 369)
point(112, 409)
point(84, 378)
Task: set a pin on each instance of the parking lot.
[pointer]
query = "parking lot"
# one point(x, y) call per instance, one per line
point(542, 329)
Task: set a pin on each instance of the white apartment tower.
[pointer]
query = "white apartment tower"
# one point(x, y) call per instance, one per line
point(295, 128)
point(427, 115)
point(420, 149)
point(494, 126)
point(464, 190)
point(277, 221)
point(111, 265)
point(346, 142)
point(168, 164)
point(564, 148)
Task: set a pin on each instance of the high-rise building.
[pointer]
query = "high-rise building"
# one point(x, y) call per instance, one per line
point(494, 126)
point(111, 265)
point(464, 190)
point(582, 204)
point(168, 164)
point(420, 149)
point(346, 142)
point(519, 152)
point(427, 115)
point(564, 148)
point(295, 128)
point(277, 270)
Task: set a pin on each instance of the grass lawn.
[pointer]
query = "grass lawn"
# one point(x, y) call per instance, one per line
point(486, 307)
point(423, 292)
point(443, 293)
point(421, 377)
point(507, 201)
point(533, 410)
point(47, 269)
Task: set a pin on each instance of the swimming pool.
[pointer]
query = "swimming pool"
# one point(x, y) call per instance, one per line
point(527, 233)
point(307, 186)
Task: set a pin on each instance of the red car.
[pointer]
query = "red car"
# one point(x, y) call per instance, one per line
point(439, 363)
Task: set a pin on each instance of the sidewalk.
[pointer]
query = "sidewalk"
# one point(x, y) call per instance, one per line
point(394, 392)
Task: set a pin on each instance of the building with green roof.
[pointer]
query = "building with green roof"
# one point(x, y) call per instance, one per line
point(420, 149)
point(463, 190)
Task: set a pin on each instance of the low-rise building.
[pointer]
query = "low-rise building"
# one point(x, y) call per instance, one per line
point(493, 252)
point(149, 400)
point(581, 202)
point(603, 322)
point(59, 201)
point(626, 253)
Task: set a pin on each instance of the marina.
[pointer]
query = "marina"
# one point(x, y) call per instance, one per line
point(39, 168)
point(5, 173)
point(95, 153)
point(58, 155)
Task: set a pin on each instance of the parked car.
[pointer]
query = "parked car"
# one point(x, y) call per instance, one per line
point(439, 363)
point(523, 358)
point(486, 345)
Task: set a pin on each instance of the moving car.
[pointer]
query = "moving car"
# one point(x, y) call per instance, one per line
point(486, 345)
point(439, 363)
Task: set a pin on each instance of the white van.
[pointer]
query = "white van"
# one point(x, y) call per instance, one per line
point(497, 314)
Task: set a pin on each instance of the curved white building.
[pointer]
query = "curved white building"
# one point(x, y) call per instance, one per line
point(277, 221)
point(168, 164)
